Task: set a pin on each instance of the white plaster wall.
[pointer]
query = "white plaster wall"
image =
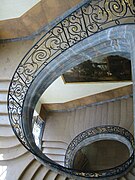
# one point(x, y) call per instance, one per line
point(58, 92)
point(15, 8)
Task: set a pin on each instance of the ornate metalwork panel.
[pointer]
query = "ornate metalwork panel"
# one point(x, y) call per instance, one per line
point(93, 132)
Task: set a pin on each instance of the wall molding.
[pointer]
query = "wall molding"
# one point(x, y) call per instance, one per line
point(111, 95)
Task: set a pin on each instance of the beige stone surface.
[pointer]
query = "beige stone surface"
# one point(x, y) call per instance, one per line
point(37, 17)
point(10, 56)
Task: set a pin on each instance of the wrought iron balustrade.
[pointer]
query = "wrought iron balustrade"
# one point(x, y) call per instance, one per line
point(98, 134)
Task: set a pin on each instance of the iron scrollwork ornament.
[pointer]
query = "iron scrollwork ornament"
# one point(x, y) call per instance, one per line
point(80, 140)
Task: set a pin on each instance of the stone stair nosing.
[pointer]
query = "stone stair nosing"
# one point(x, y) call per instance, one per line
point(56, 157)
point(51, 175)
point(16, 166)
point(4, 119)
point(40, 173)
point(6, 131)
point(3, 96)
point(60, 177)
point(4, 85)
point(30, 170)
point(13, 152)
point(8, 142)
point(54, 150)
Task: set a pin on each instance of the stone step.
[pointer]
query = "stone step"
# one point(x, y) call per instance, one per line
point(3, 107)
point(4, 85)
point(4, 119)
point(56, 158)
point(54, 144)
point(30, 170)
point(3, 96)
point(50, 175)
point(57, 151)
point(12, 153)
point(6, 131)
point(8, 142)
point(55, 154)
point(40, 173)
point(60, 177)
point(17, 166)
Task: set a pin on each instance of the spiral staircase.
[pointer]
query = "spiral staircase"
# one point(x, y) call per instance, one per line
point(115, 111)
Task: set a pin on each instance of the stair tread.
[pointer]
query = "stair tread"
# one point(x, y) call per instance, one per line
point(12, 153)
point(4, 119)
point(54, 144)
point(55, 151)
point(56, 157)
point(30, 170)
point(3, 107)
point(40, 173)
point(9, 142)
point(6, 131)
point(50, 175)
